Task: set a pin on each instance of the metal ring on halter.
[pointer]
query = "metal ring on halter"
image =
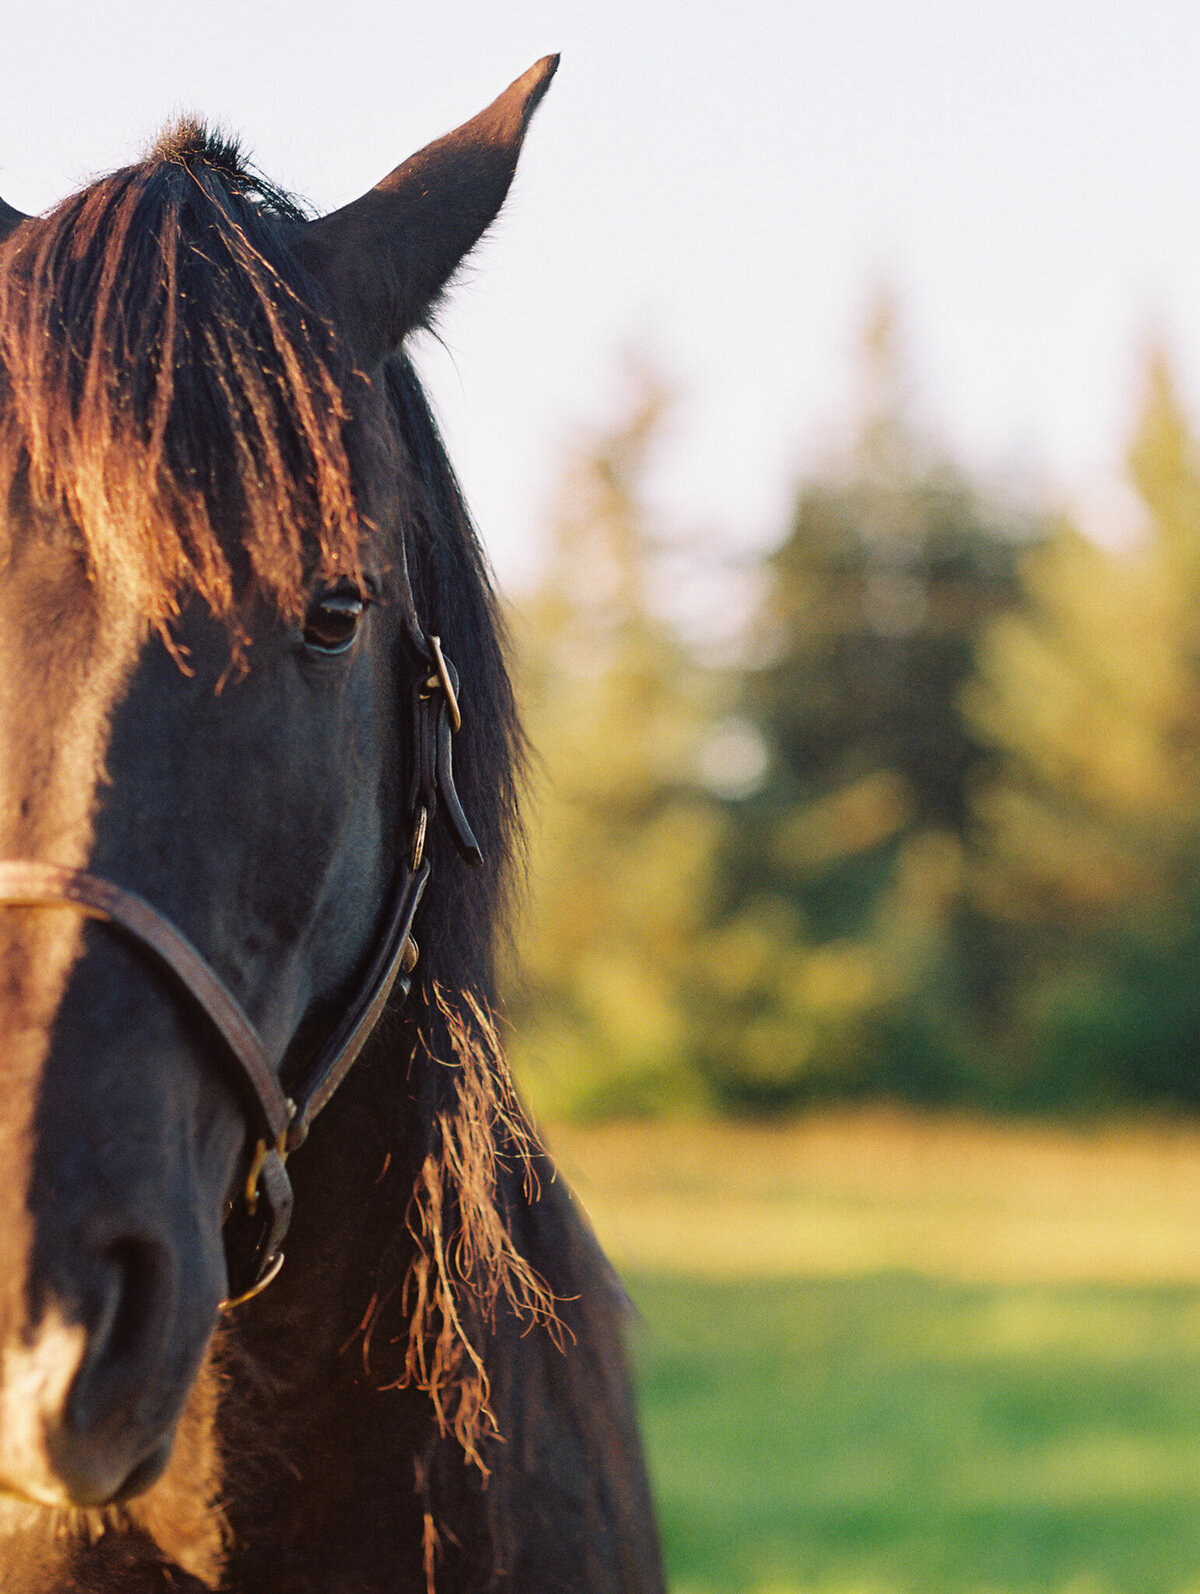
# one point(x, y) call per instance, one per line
point(269, 1274)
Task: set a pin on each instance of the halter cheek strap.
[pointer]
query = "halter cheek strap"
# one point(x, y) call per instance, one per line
point(261, 1209)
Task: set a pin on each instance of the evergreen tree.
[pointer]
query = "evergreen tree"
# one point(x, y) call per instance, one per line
point(1090, 871)
point(843, 873)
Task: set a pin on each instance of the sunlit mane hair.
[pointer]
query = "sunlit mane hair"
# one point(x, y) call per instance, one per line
point(149, 327)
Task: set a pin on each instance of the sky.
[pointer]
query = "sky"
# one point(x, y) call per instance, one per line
point(719, 189)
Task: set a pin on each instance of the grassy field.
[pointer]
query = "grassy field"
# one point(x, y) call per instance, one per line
point(881, 1355)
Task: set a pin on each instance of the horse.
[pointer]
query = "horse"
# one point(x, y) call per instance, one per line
point(260, 770)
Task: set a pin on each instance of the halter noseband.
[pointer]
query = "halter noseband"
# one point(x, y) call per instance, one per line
point(261, 1210)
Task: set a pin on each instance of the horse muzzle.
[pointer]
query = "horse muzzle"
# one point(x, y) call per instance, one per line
point(111, 1232)
point(86, 1418)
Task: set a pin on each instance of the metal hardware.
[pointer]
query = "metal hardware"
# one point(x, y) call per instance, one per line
point(269, 1274)
point(418, 846)
point(250, 1192)
point(261, 1152)
point(442, 680)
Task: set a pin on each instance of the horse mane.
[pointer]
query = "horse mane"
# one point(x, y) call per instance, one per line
point(150, 327)
point(475, 1138)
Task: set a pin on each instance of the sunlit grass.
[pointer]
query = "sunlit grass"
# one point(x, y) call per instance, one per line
point(910, 1437)
point(1008, 1405)
point(876, 1191)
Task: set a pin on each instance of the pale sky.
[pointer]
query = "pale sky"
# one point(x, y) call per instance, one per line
point(720, 185)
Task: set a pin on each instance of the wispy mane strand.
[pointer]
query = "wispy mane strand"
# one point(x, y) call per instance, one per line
point(151, 327)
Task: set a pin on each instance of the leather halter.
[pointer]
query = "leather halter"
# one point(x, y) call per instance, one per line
point(260, 1211)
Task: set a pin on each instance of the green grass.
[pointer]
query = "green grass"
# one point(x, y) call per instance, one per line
point(893, 1435)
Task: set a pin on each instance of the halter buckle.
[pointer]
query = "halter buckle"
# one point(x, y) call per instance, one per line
point(441, 681)
point(261, 1152)
point(418, 842)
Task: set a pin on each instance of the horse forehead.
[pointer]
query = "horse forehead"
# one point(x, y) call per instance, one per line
point(68, 646)
point(64, 663)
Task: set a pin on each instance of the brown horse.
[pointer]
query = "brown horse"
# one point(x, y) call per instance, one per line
point(257, 824)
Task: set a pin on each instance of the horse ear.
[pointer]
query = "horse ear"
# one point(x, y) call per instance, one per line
point(9, 218)
point(387, 257)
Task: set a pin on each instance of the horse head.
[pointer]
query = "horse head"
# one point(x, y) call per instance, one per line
point(217, 589)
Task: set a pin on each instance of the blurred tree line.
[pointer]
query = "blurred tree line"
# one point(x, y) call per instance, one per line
point(934, 835)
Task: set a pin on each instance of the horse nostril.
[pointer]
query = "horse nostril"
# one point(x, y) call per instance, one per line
point(125, 1342)
point(146, 1473)
point(112, 1438)
point(137, 1268)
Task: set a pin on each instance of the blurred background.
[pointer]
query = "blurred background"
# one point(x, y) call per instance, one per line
point(827, 397)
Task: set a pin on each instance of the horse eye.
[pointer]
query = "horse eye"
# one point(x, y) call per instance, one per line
point(333, 618)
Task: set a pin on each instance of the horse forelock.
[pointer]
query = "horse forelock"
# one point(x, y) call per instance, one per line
point(170, 387)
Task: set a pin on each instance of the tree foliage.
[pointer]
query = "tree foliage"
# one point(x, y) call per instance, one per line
point(1088, 865)
point(842, 872)
point(624, 834)
point(937, 837)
